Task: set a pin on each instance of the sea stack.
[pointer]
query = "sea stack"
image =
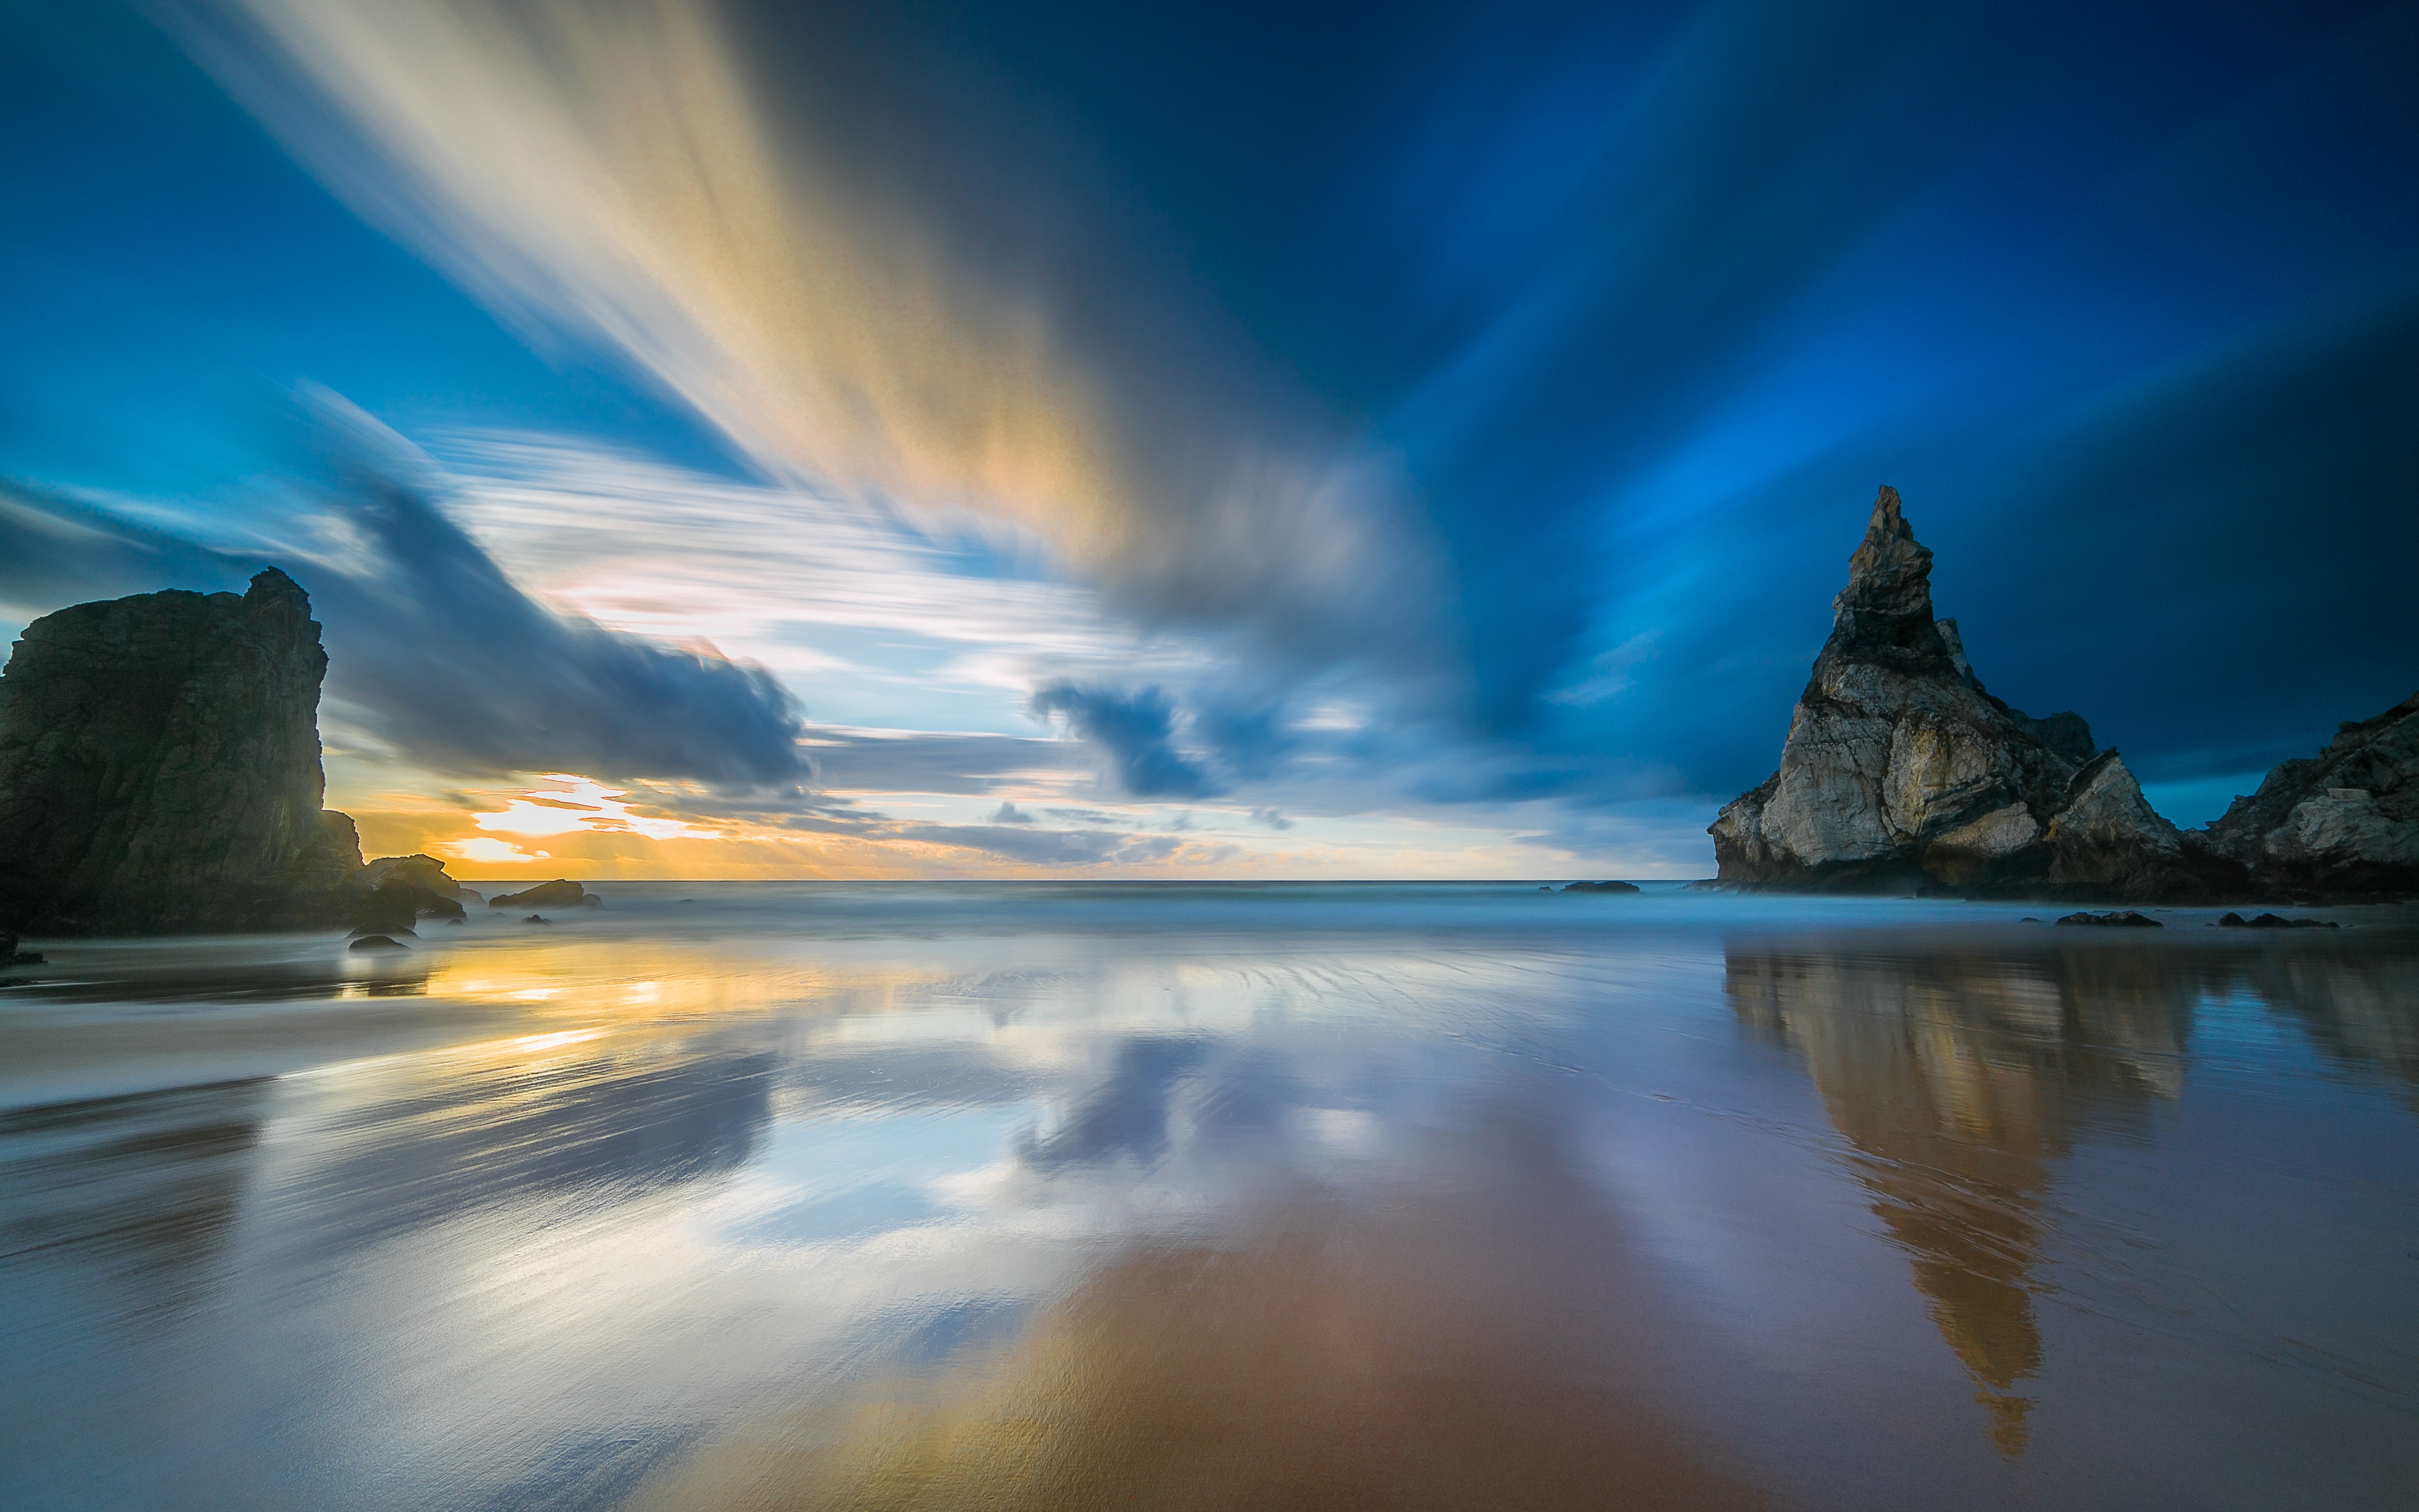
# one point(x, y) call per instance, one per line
point(159, 769)
point(1901, 773)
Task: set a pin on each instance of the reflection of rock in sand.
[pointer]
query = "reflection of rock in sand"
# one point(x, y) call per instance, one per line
point(1959, 1081)
point(1474, 1341)
point(2361, 1008)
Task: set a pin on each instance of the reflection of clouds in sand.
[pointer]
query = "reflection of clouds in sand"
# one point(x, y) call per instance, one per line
point(1962, 1082)
point(1470, 1329)
point(658, 1197)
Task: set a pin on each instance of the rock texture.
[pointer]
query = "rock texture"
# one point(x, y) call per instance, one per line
point(556, 894)
point(1900, 772)
point(2344, 824)
point(404, 889)
point(159, 768)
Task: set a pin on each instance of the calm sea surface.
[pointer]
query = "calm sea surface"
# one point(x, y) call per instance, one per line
point(1068, 1196)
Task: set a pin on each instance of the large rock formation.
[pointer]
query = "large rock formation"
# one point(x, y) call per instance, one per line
point(159, 769)
point(2344, 824)
point(1901, 772)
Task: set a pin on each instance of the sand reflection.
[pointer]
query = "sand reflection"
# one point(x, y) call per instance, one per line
point(1477, 1338)
point(1962, 1081)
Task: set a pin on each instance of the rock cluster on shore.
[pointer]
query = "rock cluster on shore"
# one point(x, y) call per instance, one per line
point(2342, 825)
point(160, 772)
point(1900, 772)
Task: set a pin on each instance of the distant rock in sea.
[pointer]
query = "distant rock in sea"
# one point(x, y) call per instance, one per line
point(1601, 886)
point(159, 769)
point(556, 894)
point(1901, 772)
point(2342, 825)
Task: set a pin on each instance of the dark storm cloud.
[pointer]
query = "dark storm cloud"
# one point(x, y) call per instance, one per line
point(1137, 731)
point(457, 667)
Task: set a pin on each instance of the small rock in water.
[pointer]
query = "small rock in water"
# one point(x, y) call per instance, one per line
point(538, 918)
point(378, 942)
point(1602, 886)
point(560, 893)
point(2127, 920)
point(2274, 921)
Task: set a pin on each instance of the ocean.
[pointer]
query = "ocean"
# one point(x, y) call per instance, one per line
point(1042, 1195)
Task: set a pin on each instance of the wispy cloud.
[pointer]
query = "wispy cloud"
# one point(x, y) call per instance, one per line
point(611, 173)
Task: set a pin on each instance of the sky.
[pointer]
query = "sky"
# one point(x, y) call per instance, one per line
point(731, 440)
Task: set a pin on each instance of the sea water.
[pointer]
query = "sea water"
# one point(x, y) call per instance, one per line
point(1131, 1195)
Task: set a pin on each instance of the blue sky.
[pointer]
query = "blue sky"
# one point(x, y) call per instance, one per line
point(1212, 439)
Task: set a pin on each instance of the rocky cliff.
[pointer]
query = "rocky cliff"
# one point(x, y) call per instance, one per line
point(159, 768)
point(1900, 772)
point(2344, 824)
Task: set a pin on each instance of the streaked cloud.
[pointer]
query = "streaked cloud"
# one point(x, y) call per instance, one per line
point(611, 173)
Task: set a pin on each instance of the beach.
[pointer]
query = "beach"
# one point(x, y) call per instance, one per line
point(1226, 1195)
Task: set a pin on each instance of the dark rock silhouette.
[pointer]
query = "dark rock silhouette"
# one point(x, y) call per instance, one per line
point(2127, 920)
point(159, 769)
point(1602, 886)
point(556, 894)
point(2342, 825)
point(1900, 772)
point(404, 888)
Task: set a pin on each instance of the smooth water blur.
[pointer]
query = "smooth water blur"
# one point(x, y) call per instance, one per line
point(1022, 1196)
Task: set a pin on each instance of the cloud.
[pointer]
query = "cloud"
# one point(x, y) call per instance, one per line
point(1008, 813)
point(699, 190)
point(1136, 730)
point(1015, 840)
point(1270, 819)
point(1515, 388)
point(433, 651)
point(453, 665)
point(939, 761)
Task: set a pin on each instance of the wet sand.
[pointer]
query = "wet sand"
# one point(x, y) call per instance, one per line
point(934, 1197)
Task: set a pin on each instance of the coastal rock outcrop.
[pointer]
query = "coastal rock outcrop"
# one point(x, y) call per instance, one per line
point(1901, 771)
point(2344, 824)
point(405, 889)
point(556, 894)
point(159, 768)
